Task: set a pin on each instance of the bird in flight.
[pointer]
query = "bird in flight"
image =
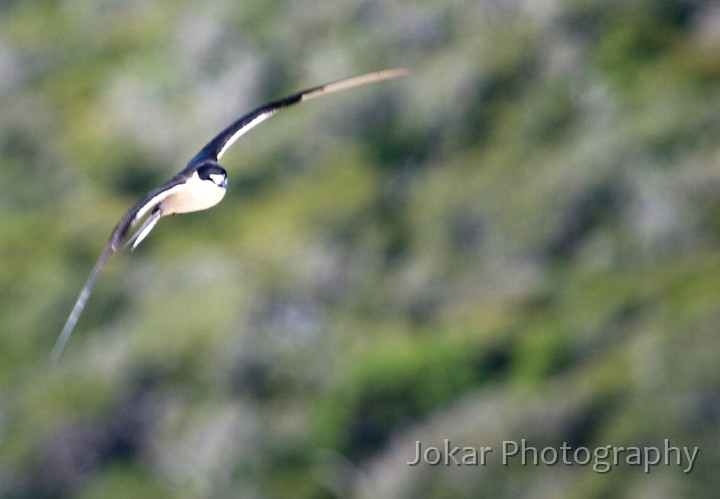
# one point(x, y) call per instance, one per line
point(200, 185)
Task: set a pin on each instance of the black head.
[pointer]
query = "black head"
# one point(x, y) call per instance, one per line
point(214, 173)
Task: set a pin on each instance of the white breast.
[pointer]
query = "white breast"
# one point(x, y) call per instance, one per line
point(193, 195)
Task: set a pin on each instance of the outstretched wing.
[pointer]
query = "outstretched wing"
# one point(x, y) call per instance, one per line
point(217, 146)
point(118, 238)
point(79, 306)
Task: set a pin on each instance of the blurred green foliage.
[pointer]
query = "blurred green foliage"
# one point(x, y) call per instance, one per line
point(519, 240)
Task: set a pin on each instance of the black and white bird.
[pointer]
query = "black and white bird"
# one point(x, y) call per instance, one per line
point(200, 185)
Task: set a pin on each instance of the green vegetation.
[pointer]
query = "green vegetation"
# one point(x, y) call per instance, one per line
point(519, 240)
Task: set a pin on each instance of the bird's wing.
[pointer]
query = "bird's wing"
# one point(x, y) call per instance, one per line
point(79, 306)
point(217, 146)
point(118, 238)
point(147, 203)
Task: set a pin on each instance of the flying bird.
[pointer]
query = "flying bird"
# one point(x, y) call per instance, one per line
point(200, 185)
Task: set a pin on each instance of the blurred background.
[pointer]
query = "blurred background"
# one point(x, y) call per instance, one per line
point(519, 240)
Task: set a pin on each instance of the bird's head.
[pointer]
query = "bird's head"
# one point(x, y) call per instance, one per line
point(212, 172)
